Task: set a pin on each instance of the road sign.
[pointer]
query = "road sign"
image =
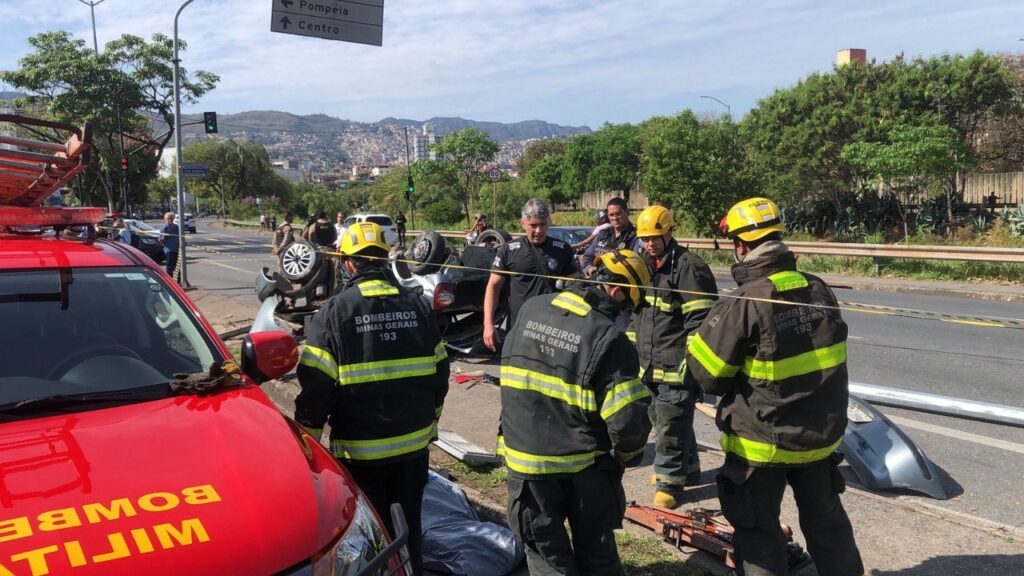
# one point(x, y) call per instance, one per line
point(195, 170)
point(360, 21)
point(494, 175)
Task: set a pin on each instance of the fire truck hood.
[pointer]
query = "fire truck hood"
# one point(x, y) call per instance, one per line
point(215, 484)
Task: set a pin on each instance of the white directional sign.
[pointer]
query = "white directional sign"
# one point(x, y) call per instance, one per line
point(360, 21)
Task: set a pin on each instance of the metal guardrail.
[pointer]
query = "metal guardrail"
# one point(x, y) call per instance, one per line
point(874, 251)
point(241, 223)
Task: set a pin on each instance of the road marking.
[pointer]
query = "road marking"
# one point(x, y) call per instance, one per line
point(854, 337)
point(957, 434)
point(218, 263)
point(975, 323)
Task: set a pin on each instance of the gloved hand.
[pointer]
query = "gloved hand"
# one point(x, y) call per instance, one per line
point(221, 375)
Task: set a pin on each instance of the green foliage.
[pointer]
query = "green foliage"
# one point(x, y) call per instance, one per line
point(545, 179)
point(616, 159)
point(446, 211)
point(1013, 219)
point(699, 170)
point(466, 152)
point(116, 91)
point(538, 151)
point(308, 198)
point(507, 205)
point(237, 170)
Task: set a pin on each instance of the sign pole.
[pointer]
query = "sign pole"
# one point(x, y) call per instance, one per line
point(177, 150)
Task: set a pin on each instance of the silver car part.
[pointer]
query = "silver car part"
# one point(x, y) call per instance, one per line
point(883, 457)
point(945, 405)
point(264, 320)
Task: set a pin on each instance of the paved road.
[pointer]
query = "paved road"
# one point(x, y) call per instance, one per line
point(984, 462)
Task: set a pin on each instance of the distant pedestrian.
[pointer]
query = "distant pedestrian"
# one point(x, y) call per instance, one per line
point(339, 228)
point(273, 222)
point(169, 238)
point(400, 225)
point(263, 222)
point(991, 201)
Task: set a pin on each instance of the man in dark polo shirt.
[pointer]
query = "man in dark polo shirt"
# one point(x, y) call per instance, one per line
point(524, 259)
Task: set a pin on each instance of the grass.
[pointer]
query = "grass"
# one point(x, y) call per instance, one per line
point(648, 556)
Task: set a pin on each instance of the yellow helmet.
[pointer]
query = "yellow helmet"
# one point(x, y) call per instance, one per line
point(753, 219)
point(361, 236)
point(624, 267)
point(654, 221)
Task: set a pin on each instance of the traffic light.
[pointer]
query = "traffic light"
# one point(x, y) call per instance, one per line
point(210, 121)
point(124, 164)
point(409, 190)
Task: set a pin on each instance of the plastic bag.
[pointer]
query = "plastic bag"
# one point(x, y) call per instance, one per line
point(456, 541)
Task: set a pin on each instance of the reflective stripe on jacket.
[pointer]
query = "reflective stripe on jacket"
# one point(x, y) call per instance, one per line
point(780, 368)
point(660, 328)
point(569, 386)
point(375, 367)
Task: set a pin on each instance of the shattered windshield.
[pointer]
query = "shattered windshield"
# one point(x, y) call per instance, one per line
point(93, 330)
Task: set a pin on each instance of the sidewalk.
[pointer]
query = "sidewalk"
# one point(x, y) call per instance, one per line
point(896, 536)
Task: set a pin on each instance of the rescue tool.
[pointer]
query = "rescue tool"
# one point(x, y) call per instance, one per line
point(706, 530)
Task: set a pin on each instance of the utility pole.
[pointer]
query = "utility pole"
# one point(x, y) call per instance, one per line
point(410, 188)
point(92, 10)
point(177, 150)
point(728, 109)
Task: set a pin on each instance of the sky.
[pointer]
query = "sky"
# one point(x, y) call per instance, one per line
point(564, 61)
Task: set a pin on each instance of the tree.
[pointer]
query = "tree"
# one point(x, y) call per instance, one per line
point(545, 179)
point(616, 159)
point(696, 169)
point(467, 152)
point(1001, 134)
point(118, 91)
point(237, 170)
point(538, 151)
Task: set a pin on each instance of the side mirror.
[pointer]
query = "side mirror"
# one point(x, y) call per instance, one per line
point(268, 355)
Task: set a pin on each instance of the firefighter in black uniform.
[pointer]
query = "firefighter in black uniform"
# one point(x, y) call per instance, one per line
point(776, 353)
point(533, 259)
point(573, 413)
point(682, 291)
point(374, 366)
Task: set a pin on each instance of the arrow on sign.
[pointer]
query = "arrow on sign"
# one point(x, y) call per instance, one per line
point(287, 3)
point(285, 22)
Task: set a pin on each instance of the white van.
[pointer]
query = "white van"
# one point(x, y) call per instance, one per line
point(382, 220)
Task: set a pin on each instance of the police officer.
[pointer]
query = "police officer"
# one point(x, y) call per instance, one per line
point(659, 330)
point(776, 353)
point(620, 235)
point(322, 232)
point(533, 260)
point(573, 414)
point(374, 366)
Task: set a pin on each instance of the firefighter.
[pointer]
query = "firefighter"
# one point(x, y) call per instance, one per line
point(659, 330)
point(573, 414)
point(776, 353)
point(374, 367)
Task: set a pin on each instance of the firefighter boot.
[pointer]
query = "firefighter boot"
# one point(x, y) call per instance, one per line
point(666, 500)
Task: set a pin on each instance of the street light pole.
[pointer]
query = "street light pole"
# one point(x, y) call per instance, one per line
point(92, 10)
point(177, 150)
point(408, 167)
point(728, 110)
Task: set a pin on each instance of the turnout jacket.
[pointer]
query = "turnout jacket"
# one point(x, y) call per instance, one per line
point(780, 368)
point(374, 366)
point(659, 329)
point(569, 387)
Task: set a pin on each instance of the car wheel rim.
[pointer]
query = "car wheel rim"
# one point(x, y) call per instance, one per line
point(421, 250)
point(297, 260)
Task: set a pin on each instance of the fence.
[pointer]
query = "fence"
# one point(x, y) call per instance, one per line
point(1008, 187)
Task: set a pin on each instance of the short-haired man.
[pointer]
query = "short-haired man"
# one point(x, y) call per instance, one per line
point(283, 235)
point(532, 262)
point(375, 366)
point(621, 235)
point(776, 353)
point(339, 228)
point(169, 238)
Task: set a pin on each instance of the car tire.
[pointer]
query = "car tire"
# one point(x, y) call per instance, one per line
point(426, 253)
point(299, 261)
point(493, 237)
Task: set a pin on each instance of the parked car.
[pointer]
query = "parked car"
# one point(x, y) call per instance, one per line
point(119, 453)
point(570, 234)
point(146, 239)
point(382, 220)
point(190, 222)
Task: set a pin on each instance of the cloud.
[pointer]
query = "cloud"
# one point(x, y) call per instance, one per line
point(569, 62)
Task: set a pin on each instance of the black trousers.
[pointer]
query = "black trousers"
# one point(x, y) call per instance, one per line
point(675, 446)
point(170, 262)
point(751, 499)
point(593, 502)
point(401, 482)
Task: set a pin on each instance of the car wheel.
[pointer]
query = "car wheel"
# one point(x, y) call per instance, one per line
point(299, 260)
point(426, 253)
point(493, 237)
